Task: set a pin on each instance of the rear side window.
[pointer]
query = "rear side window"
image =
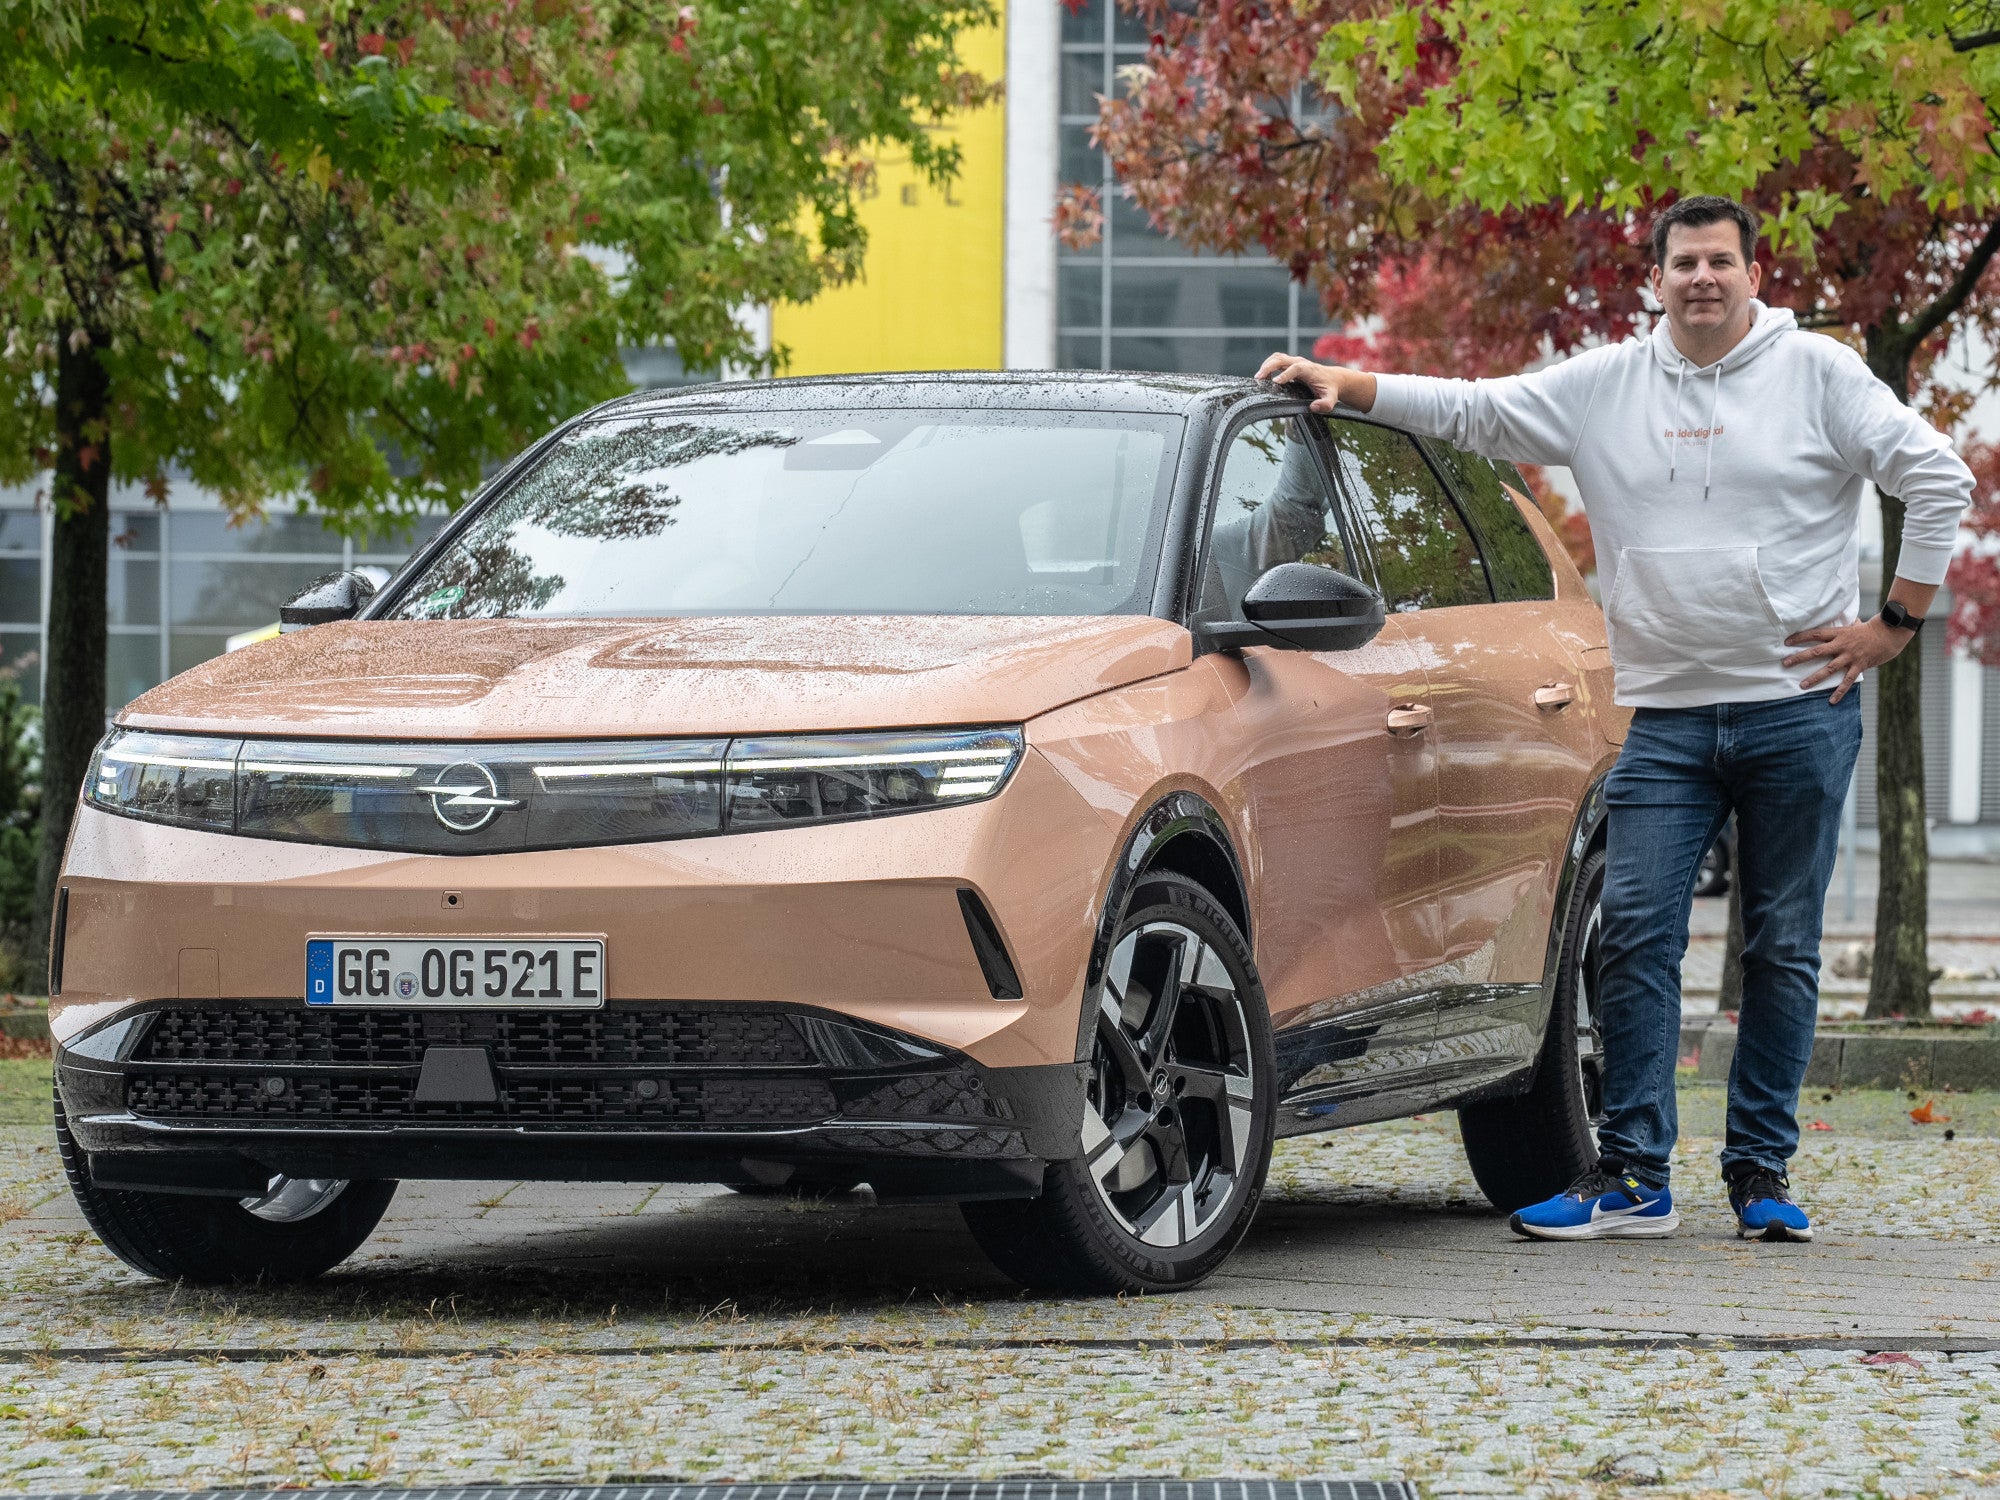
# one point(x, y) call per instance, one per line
point(1425, 557)
point(1514, 559)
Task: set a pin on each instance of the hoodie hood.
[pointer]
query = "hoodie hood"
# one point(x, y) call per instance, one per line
point(607, 679)
point(1767, 326)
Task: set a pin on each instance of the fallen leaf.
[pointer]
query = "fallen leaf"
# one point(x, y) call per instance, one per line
point(1891, 1357)
point(1819, 1125)
point(1926, 1114)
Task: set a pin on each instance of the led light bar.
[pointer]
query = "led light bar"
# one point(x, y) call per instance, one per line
point(472, 798)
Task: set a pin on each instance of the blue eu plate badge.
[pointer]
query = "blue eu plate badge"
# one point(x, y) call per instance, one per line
point(319, 971)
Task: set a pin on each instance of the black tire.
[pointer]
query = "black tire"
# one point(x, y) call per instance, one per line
point(1534, 1145)
point(219, 1241)
point(1177, 1118)
point(1713, 877)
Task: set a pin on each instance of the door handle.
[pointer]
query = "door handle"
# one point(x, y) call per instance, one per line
point(1409, 718)
point(1557, 695)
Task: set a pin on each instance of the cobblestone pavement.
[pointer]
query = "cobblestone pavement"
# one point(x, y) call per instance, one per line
point(1379, 1322)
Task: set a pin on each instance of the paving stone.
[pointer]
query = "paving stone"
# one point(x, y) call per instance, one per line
point(1378, 1322)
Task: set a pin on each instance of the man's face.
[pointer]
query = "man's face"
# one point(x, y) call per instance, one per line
point(1705, 286)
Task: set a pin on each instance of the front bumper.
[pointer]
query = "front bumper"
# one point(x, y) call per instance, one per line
point(865, 919)
point(218, 1097)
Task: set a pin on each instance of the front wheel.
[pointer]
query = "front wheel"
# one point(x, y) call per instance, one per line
point(1177, 1117)
point(1531, 1147)
point(294, 1230)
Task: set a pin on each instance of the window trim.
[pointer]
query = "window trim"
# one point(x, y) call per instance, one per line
point(1211, 494)
point(1327, 419)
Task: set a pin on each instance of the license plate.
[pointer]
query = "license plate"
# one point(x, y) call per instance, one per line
point(462, 971)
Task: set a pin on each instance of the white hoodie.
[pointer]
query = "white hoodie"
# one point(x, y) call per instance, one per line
point(1724, 501)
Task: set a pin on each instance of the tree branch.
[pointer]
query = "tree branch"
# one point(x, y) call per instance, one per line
point(1952, 298)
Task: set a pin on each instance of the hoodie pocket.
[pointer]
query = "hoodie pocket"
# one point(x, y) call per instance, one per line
point(1681, 609)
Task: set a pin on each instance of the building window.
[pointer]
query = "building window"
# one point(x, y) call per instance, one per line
point(180, 582)
point(1138, 300)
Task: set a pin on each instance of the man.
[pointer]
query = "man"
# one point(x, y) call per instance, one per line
point(1721, 462)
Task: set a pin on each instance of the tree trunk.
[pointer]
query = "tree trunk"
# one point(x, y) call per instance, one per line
point(1900, 982)
point(1729, 989)
point(73, 695)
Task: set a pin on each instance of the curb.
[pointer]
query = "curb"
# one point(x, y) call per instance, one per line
point(1847, 1060)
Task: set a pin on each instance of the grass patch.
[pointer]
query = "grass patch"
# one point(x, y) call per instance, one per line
point(24, 1091)
point(1879, 1114)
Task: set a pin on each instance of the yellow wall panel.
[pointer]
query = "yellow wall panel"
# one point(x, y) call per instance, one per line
point(930, 292)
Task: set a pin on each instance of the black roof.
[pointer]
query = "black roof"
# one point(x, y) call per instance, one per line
point(1022, 390)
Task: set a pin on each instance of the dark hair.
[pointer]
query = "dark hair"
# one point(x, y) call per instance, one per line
point(1706, 209)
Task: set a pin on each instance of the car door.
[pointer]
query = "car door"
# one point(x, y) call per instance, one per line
point(1340, 791)
point(1463, 572)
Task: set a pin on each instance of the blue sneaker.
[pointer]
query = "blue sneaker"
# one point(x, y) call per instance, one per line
point(1764, 1208)
point(1600, 1205)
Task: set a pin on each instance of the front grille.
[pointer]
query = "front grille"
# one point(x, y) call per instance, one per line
point(618, 1036)
point(762, 1102)
point(657, 1065)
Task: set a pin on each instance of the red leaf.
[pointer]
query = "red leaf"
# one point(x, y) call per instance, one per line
point(1891, 1357)
point(373, 43)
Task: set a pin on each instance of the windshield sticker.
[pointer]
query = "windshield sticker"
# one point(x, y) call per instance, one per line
point(439, 600)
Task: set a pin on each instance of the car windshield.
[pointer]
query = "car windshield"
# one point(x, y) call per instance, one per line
point(903, 512)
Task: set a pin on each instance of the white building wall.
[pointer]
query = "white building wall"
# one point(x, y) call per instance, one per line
point(1028, 338)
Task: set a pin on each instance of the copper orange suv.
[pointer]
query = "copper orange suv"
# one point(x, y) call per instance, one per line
point(1037, 791)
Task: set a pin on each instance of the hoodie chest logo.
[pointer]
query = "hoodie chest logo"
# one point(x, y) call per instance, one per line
point(1694, 434)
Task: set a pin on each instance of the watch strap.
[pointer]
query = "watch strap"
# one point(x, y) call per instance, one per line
point(1894, 613)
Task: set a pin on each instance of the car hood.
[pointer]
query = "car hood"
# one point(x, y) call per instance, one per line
point(562, 679)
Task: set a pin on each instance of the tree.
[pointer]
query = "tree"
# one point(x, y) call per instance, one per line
point(347, 253)
point(1222, 137)
point(1975, 573)
point(1864, 135)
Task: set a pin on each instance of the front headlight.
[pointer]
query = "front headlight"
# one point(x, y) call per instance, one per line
point(166, 778)
point(484, 798)
point(794, 780)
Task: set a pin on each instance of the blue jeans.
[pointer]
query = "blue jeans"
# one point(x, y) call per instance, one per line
point(1783, 767)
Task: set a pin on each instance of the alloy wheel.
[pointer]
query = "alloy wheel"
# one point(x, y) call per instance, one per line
point(1589, 1034)
point(1168, 1129)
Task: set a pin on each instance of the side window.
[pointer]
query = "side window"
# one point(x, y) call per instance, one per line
point(1271, 506)
point(1514, 559)
point(1424, 556)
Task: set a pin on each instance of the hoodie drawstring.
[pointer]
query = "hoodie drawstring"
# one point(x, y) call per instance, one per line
point(1714, 400)
point(1674, 456)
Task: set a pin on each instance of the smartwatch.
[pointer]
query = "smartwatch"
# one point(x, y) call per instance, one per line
point(1895, 615)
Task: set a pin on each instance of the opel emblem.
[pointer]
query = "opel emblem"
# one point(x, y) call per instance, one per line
point(465, 797)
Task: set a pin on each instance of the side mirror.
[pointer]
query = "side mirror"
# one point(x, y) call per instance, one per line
point(337, 596)
point(1303, 608)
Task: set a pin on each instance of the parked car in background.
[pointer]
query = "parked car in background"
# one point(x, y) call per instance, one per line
point(1719, 863)
point(1036, 791)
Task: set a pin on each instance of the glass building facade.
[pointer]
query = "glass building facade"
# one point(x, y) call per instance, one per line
point(1138, 300)
point(182, 580)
